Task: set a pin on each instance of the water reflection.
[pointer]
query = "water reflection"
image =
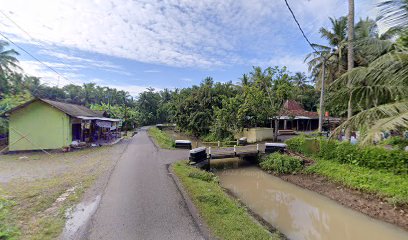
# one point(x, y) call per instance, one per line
point(301, 214)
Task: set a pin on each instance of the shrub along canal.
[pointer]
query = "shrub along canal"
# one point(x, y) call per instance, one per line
point(299, 213)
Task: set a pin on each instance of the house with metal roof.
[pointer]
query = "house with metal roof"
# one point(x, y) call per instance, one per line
point(46, 124)
point(294, 117)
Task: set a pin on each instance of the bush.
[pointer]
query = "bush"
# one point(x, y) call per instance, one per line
point(396, 141)
point(327, 149)
point(296, 144)
point(373, 157)
point(304, 145)
point(280, 163)
point(347, 153)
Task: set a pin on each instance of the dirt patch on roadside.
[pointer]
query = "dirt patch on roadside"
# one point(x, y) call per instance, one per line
point(41, 197)
point(368, 204)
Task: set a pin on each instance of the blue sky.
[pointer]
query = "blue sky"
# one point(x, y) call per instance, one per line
point(132, 45)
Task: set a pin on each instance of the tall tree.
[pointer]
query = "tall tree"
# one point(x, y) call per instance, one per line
point(8, 59)
point(350, 62)
point(333, 54)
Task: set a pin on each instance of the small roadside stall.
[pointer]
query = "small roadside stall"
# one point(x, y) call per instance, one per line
point(97, 130)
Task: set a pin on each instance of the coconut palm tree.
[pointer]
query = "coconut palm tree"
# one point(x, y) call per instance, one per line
point(380, 95)
point(394, 13)
point(383, 84)
point(333, 54)
point(8, 61)
point(350, 61)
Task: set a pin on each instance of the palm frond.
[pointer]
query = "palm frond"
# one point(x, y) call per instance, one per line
point(394, 13)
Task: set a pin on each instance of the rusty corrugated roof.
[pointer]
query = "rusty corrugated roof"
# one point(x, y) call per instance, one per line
point(72, 110)
point(293, 108)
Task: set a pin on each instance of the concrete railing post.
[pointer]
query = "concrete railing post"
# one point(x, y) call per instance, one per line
point(209, 159)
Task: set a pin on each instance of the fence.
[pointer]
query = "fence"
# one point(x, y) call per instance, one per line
point(221, 144)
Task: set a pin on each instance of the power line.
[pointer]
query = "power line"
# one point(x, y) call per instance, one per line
point(34, 57)
point(300, 28)
point(32, 38)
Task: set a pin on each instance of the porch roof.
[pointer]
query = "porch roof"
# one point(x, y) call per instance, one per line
point(99, 118)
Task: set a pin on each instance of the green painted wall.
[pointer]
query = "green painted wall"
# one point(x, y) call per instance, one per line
point(44, 125)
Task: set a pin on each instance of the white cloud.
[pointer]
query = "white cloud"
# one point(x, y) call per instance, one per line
point(185, 33)
point(80, 62)
point(50, 78)
point(292, 62)
point(62, 77)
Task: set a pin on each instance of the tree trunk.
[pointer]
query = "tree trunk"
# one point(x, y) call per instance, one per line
point(276, 130)
point(321, 115)
point(350, 62)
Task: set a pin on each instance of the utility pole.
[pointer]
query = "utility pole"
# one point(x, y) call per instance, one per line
point(350, 63)
point(321, 114)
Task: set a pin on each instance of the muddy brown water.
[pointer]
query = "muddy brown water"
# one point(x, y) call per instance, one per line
point(298, 213)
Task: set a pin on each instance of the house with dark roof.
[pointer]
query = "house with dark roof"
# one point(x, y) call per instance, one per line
point(46, 124)
point(294, 117)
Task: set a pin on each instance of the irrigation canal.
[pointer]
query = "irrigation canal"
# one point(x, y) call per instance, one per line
point(298, 213)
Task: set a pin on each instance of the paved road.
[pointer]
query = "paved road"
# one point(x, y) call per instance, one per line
point(141, 200)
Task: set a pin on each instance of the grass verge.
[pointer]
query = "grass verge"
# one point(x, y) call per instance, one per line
point(161, 138)
point(223, 215)
point(7, 229)
point(385, 184)
point(29, 208)
point(32, 212)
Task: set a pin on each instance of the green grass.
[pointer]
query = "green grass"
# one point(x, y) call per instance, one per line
point(25, 213)
point(385, 184)
point(226, 218)
point(27, 209)
point(161, 138)
point(7, 229)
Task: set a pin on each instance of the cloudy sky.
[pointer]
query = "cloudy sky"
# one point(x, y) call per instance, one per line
point(136, 44)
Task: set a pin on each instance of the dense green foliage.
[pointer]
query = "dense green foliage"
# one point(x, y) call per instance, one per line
point(375, 90)
point(280, 163)
point(218, 110)
point(161, 138)
point(396, 142)
point(212, 110)
point(224, 215)
point(385, 184)
point(372, 157)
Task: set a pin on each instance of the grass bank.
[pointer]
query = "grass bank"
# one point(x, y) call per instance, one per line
point(223, 215)
point(385, 184)
point(7, 228)
point(161, 138)
point(35, 212)
point(33, 205)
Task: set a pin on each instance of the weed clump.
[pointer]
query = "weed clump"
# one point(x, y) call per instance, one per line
point(280, 163)
point(203, 176)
